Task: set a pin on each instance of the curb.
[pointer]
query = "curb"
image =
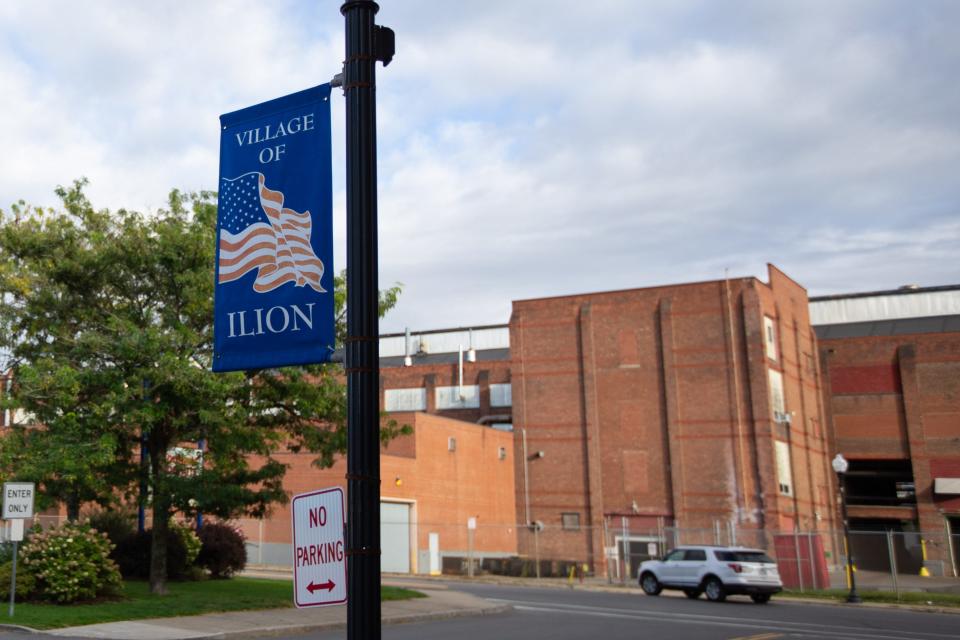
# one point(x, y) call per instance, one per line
point(632, 590)
point(17, 627)
point(267, 632)
point(918, 608)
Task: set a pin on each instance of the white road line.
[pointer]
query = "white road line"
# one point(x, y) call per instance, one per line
point(832, 631)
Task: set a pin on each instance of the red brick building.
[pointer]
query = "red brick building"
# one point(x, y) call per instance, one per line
point(891, 366)
point(693, 407)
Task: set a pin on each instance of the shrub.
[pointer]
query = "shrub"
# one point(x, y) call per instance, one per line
point(25, 582)
point(223, 552)
point(191, 542)
point(71, 563)
point(133, 555)
point(118, 525)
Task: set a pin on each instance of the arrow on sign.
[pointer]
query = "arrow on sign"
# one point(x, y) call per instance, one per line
point(328, 585)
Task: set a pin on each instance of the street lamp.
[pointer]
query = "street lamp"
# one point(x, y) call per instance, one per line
point(840, 465)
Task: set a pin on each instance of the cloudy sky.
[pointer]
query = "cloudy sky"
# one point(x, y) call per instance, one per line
point(536, 148)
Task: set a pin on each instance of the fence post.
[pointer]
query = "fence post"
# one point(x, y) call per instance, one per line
point(796, 551)
point(952, 539)
point(606, 556)
point(893, 562)
point(260, 541)
point(813, 567)
point(626, 550)
point(536, 548)
point(470, 549)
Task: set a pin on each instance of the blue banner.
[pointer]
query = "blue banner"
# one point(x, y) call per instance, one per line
point(273, 293)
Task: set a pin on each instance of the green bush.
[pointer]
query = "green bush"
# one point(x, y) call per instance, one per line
point(118, 525)
point(70, 563)
point(26, 585)
point(133, 556)
point(191, 542)
point(223, 552)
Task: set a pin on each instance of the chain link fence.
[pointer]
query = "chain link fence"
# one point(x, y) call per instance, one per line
point(888, 560)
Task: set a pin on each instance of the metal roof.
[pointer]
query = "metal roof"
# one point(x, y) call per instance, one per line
point(446, 340)
point(483, 355)
point(933, 324)
point(885, 305)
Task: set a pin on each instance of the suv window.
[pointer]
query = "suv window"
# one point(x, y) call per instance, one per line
point(673, 556)
point(744, 556)
point(695, 555)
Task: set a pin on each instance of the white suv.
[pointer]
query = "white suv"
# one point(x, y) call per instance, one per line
point(715, 571)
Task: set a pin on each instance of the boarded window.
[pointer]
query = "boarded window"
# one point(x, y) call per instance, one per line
point(571, 521)
point(770, 337)
point(777, 403)
point(465, 397)
point(784, 470)
point(405, 399)
point(501, 395)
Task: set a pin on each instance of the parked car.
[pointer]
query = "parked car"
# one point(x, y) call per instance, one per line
point(715, 571)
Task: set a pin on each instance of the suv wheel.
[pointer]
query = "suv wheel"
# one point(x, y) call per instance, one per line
point(693, 594)
point(650, 585)
point(760, 598)
point(714, 590)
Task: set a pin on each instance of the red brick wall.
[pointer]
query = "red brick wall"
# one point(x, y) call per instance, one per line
point(912, 413)
point(444, 487)
point(656, 402)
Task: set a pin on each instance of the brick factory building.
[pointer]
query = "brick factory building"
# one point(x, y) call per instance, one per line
point(605, 427)
point(693, 407)
point(433, 482)
point(891, 369)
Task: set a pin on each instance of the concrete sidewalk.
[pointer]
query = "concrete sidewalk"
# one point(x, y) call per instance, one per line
point(440, 603)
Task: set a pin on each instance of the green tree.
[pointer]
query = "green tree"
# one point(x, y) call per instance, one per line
point(107, 319)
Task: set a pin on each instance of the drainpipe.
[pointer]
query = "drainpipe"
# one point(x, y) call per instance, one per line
point(460, 371)
point(526, 477)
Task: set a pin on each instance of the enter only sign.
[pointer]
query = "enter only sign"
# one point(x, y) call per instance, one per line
point(319, 561)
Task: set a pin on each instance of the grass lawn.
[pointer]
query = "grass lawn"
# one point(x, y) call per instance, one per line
point(906, 597)
point(184, 599)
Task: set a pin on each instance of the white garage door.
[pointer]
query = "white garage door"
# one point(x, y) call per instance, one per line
point(395, 537)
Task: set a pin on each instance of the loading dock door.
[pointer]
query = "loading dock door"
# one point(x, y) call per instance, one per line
point(395, 537)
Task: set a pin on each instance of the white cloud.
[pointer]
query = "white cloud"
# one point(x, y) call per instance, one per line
point(536, 148)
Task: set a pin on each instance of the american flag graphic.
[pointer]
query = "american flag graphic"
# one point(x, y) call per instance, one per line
point(257, 232)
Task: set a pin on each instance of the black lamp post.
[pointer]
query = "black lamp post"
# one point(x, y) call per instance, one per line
point(840, 465)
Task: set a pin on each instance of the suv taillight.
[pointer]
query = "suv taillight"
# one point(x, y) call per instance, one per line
point(737, 568)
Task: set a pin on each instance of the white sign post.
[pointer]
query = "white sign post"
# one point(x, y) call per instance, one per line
point(17, 505)
point(319, 558)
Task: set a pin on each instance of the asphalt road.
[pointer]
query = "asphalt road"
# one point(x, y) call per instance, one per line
point(558, 614)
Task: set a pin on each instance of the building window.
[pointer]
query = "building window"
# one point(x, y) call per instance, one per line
point(770, 337)
point(405, 399)
point(501, 395)
point(456, 397)
point(777, 404)
point(451, 444)
point(571, 521)
point(784, 470)
point(502, 453)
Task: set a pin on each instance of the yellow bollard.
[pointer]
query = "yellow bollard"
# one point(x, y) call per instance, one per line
point(924, 572)
point(573, 568)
